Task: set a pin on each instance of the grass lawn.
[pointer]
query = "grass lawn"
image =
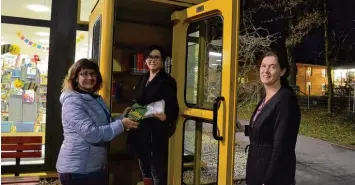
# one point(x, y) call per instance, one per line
point(336, 127)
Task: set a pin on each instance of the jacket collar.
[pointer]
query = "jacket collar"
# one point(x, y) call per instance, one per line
point(145, 94)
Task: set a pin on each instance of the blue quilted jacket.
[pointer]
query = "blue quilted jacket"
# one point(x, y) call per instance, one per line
point(87, 129)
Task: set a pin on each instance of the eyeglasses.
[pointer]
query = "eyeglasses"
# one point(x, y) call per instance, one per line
point(150, 57)
point(85, 74)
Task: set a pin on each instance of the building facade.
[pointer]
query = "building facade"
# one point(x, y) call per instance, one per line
point(311, 79)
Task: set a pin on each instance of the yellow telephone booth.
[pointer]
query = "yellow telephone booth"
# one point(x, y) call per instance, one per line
point(201, 37)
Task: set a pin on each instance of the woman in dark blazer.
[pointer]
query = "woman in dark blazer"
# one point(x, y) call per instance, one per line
point(150, 140)
point(273, 128)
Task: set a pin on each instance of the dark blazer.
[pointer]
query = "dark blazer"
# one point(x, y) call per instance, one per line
point(273, 136)
point(153, 133)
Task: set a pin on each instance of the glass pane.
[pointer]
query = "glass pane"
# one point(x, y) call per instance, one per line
point(199, 141)
point(85, 9)
point(204, 59)
point(96, 40)
point(24, 69)
point(81, 48)
point(192, 67)
point(34, 9)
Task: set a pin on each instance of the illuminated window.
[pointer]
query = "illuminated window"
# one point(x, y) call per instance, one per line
point(324, 73)
point(38, 9)
point(309, 86)
point(85, 7)
point(24, 73)
point(309, 71)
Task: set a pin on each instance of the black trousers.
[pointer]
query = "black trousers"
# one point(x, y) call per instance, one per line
point(95, 178)
point(153, 161)
point(154, 165)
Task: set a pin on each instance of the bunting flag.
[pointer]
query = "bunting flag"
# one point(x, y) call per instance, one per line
point(39, 46)
point(32, 43)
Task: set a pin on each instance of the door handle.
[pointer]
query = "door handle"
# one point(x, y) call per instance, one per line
point(216, 105)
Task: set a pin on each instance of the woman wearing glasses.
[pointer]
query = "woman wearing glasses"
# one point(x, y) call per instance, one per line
point(150, 139)
point(87, 126)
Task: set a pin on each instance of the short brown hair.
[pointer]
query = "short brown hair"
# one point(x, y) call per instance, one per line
point(70, 82)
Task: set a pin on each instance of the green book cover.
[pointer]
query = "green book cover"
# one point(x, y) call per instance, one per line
point(137, 112)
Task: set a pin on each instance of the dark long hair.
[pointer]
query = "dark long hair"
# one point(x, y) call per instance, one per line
point(284, 65)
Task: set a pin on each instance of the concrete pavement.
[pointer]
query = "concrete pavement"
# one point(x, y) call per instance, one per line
point(319, 162)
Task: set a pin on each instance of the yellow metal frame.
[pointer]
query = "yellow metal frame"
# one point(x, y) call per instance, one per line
point(105, 9)
point(229, 10)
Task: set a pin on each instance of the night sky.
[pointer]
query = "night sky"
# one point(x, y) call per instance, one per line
point(341, 18)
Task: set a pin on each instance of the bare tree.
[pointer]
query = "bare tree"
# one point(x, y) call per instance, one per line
point(326, 56)
point(300, 21)
point(337, 48)
point(253, 40)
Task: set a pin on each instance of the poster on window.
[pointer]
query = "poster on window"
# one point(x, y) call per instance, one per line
point(29, 96)
point(16, 73)
point(31, 72)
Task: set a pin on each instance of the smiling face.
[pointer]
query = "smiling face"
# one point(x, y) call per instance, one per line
point(87, 79)
point(270, 71)
point(154, 60)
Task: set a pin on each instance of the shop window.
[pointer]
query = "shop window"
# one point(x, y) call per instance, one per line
point(24, 69)
point(34, 9)
point(81, 47)
point(85, 7)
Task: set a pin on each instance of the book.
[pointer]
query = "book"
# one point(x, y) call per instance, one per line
point(137, 112)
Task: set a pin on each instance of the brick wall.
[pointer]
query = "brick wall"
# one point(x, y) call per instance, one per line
point(312, 75)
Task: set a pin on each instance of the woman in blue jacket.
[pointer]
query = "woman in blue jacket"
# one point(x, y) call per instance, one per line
point(87, 126)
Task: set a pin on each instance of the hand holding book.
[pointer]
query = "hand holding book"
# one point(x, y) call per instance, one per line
point(129, 123)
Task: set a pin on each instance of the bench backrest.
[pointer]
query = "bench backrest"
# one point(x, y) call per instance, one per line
point(21, 146)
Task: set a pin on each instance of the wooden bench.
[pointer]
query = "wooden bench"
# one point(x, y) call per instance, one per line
point(20, 147)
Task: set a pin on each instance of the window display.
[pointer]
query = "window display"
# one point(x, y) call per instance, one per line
point(34, 9)
point(24, 66)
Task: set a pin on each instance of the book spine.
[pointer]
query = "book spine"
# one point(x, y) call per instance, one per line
point(134, 63)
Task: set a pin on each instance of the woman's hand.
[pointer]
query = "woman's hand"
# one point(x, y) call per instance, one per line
point(128, 123)
point(160, 116)
point(125, 112)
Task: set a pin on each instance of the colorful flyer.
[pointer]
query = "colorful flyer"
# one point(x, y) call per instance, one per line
point(6, 77)
point(31, 72)
point(29, 96)
point(16, 73)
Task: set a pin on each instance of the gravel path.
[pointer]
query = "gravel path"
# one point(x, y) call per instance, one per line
point(209, 155)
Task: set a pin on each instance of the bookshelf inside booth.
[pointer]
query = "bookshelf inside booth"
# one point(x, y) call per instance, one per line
point(130, 46)
point(128, 67)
